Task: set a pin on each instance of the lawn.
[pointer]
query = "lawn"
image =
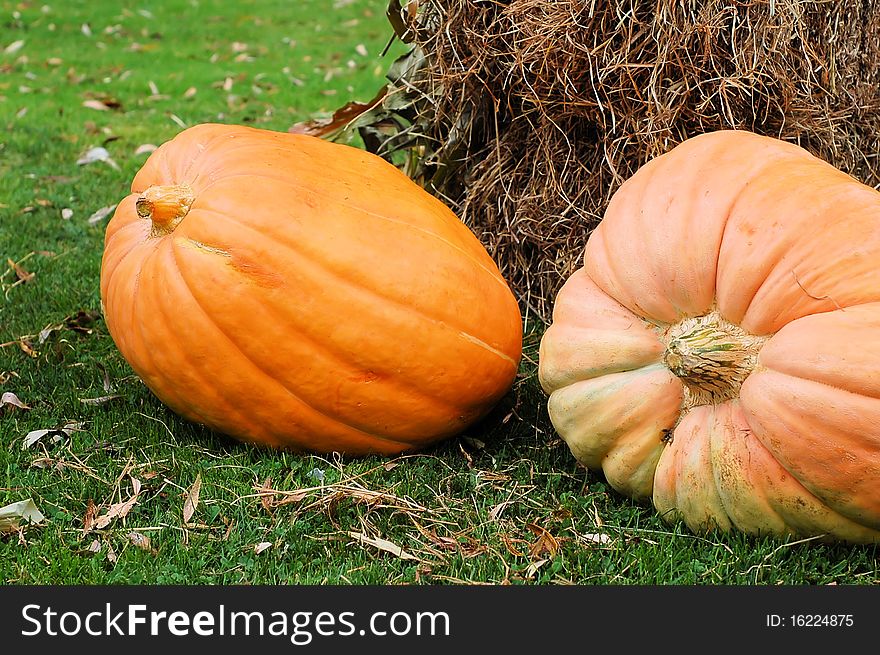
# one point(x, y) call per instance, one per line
point(133, 494)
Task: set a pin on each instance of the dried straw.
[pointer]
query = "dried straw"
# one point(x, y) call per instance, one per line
point(532, 112)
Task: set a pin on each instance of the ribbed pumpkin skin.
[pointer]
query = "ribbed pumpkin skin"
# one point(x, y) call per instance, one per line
point(778, 244)
point(312, 298)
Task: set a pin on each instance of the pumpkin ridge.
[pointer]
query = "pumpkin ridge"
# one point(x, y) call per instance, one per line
point(138, 344)
point(784, 411)
point(272, 380)
point(496, 276)
point(335, 355)
point(130, 225)
point(764, 367)
point(147, 351)
point(137, 243)
point(716, 480)
point(372, 291)
point(806, 491)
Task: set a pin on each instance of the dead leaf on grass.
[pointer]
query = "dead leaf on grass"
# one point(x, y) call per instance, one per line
point(121, 509)
point(534, 567)
point(383, 545)
point(97, 154)
point(9, 401)
point(65, 430)
point(100, 400)
point(97, 105)
point(145, 148)
point(14, 514)
point(23, 275)
point(264, 491)
point(596, 538)
point(142, 541)
point(509, 542)
point(263, 545)
point(27, 347)
point(100, 214)
point(90, 516)
point(14, 47)
point(546, 542)
point(83, 321)
point(192, 499)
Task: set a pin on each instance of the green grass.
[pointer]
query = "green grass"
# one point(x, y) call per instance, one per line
point(472, 509)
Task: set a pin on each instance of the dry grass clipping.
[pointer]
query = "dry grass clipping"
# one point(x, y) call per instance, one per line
point(532, 112)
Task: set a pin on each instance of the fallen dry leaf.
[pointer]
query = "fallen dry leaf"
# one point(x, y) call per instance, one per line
point(546, 542)
point(142, 541)
point(263, 545)
point(192, 499)
point(90, 516)
point(65, 430)
point(22, 274)
point(119, 510)
point(324, 127)
point(97, 154)
point(14, 47)
point(596, 538)
point(10, 400)
point(533, 568)
point(101, 214)
point(83, 321)
point(27, 347)
point(100, 400)
point(264, 495)
point(96, 105)
point(145, 148)
point(12, 515)
point(382, 544)
point(474, 443)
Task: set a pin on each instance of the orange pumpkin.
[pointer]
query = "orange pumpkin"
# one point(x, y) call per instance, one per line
point(719, 351)
point(297, 293)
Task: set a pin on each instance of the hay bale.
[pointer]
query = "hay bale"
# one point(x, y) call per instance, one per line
point(526, 115)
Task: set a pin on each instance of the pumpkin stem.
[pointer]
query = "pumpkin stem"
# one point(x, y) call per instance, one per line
point(165, 205)
point(712, 356)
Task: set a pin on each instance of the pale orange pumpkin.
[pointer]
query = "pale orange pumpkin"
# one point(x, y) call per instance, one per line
point(297, 293)
point(719, 351)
